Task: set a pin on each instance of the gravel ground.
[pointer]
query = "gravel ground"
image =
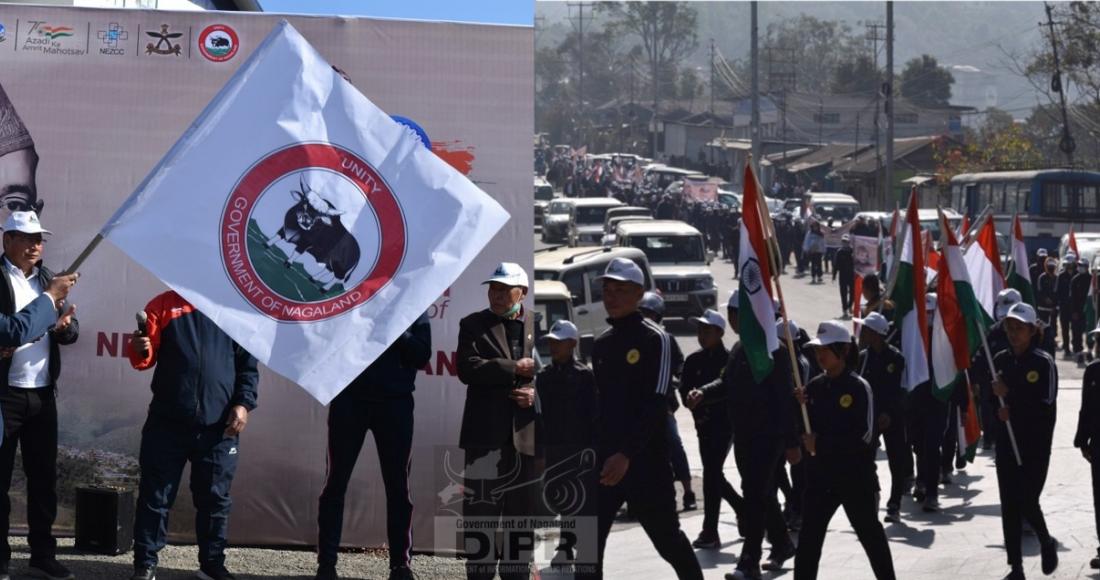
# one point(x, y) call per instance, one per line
point(180, 563)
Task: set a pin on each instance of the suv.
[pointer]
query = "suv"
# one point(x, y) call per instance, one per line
point(555, 222)
point(618, 214)
point(544, 194)
point(577, 269)
point(586, 225)
point(680, 263)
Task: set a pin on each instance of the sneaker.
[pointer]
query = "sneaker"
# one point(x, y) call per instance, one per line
point(144, 573)
point(401, 573)
point(1095, 563)
point(918, 491)
point(1049, 553)
point(689, 501)
point(931, 505)
point(212, 572)
point(707, 541)
point(893, 516)
point(1017, 573)
point(50, 569)
point(945, 477)
point(745, 574)
point(326, 572)
point(777, 557)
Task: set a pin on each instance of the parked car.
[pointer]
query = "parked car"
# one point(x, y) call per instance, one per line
point(577, 269)
point(680, 262)
point(587, 221)
point(555, 223)
point(544, 194)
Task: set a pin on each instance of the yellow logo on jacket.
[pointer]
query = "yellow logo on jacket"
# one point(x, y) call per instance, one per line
point(890, 368)
point(633, 356)
point(1033, 377)
point(845, 401)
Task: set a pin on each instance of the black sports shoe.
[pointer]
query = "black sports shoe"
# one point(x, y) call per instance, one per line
point(218, 572)
point(1049, 553)
point(326, 572)
point(144, 573)
point(931, 505)
point(893, 516)
point(50, 569)
point(1017, 573)
point(745, 574)
point(707, 541)
point(1095, 563)
point(777, 557)
point(689, 501)
point(401, 573)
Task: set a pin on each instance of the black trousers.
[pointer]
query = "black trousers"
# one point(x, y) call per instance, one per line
point(899, 456)
point(1095, 467)
point(1020, 488)
point(504, 486)
point(391, 422)
point(855, 491)
point(714, 447)
point(648, 488)
point(929, 421)
point(951, 444)
point(30, 423)
point(1065, 316)
point(815, 265)
point(847, 286)
point(676, 454)
point(759, 459)
point(1050, 333)
point(1077, 330)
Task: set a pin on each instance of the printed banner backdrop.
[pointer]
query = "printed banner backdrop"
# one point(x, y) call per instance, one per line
point(105, 93)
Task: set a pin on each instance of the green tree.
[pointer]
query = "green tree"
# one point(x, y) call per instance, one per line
point(810, 48)
point(925, 83)
point(691, 87)
point(857, 75)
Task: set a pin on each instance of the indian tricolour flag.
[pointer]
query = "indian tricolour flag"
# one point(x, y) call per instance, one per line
point(959, 322)
point(908, 297)
point(303, 220)
point(756, 313)
point(1019, 277)
point(983, 264)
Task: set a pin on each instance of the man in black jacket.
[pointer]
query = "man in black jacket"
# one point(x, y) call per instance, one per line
point(633, 367)
point(379, 400)
point(498, 423)
point(1046, 299)
point(1063, 291)
point(204, 387)
point(1078, 297)
point(31, 366)
point(844, 265)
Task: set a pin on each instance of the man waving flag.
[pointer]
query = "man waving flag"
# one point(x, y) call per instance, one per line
point(908, 297)
point(1019, 277)
point(757, 311)
point(303, 220)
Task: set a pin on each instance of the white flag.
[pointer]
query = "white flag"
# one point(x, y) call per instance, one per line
point(304, 221)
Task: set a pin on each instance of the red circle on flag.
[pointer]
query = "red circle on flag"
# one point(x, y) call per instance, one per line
point(218, 42)
point(242, 201)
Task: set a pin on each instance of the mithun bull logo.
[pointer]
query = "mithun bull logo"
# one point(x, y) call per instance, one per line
point(313, 226)
point(561, 485)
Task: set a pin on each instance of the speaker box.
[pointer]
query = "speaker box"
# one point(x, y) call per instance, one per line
point(104, 520)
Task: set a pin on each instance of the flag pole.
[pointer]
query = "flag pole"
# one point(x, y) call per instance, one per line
point(1008, 424)
point(773, 261)
point(84, 255)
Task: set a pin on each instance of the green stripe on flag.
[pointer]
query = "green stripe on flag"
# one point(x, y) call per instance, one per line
point(753, 340)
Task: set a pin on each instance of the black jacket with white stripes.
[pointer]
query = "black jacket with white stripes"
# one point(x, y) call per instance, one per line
point(759, 410)
point(1032, 381)
point(633, 365)
point(842, 417)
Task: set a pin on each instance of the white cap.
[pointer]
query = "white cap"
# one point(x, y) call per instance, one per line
point(1023, 312)
point(509, 274)
point(563, 330)
point(623, 270)
point(652, 302)
point(1041, 252)
point(781, 330)
point(1005, 299)
point(831, 332)
point(875, 322)
point(735, 300)
point(1069, 257)
point(25, 222)
point(711, 318)
point(930, 301)
point(845, 238)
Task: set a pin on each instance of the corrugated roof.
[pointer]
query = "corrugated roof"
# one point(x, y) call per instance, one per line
point(831, 153)
point(902, 149)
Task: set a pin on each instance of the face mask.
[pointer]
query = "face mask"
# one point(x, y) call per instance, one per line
point(513, 311)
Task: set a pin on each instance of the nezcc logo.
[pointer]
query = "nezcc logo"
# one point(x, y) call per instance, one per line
point(562, 488)
point(310, 232)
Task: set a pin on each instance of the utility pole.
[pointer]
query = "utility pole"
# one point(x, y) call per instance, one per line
point(820, 120)
point(855, 152)
point(1067, 144)
point(712, 78)
point(785, 80)
point(580, 63)
point(755, 122)
point(889, 192)
point(874, 30)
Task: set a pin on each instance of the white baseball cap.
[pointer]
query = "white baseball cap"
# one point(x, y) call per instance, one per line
point(845, 238)
point(623, 270)
point(25, 222)
point(509, 274)
point(711, 318)
point(781, 330)
point(1023, 312)
point(1005, 299)
point(1041, 252)
point(875, 322)
point(1069, 257)
point(735, 300)
point(831, 332)
point(652, 302)
point(563, 330)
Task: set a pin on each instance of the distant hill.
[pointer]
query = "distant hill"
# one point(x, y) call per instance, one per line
point(961, 35)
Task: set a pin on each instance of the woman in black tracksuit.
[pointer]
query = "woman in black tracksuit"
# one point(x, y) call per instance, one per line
point(840, 467)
